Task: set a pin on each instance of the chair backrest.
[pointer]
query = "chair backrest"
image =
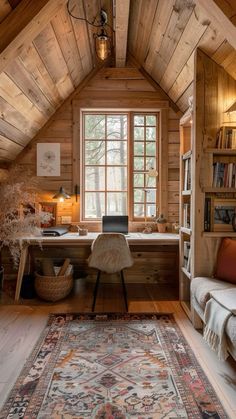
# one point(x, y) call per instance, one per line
point(110, 253)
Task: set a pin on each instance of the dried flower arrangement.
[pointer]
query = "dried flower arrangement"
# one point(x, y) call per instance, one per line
point(18, 198)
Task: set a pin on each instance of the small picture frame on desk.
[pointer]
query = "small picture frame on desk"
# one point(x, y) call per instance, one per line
point(223, 214)
point(51, 208)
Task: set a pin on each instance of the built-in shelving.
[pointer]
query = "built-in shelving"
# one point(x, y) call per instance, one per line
point(218, 234)
point(186, 307)
point(212, 189)
point(186, 156)
point(221, 151)
point(187, 273)
point(186, 230)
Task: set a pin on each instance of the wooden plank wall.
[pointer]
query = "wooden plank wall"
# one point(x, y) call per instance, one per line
point(118, 87)
point(111, 87)
point(215, 92)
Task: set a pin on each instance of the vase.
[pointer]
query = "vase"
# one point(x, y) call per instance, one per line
point(161, 227)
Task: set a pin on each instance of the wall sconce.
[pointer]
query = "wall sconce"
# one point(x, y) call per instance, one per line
point(61, 195)
point(103, 42)
point(77, 192)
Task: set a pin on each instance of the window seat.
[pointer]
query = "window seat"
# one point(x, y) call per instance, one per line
point(201, 288)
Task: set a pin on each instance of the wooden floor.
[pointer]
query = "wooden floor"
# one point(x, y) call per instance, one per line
point(21, 325)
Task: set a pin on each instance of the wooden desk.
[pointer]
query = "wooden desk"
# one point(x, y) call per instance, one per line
point(74, 240)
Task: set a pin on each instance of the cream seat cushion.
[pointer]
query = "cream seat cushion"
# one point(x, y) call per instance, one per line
point(202, 286)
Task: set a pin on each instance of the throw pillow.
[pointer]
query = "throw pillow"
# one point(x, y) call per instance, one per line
point(226, 261)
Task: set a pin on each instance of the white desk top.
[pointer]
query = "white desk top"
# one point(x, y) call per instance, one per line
point(76, 239)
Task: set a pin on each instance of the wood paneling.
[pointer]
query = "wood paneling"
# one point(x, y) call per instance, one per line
point(165, 43)
point(64, 127)
point(46, 54)
point(215, 92)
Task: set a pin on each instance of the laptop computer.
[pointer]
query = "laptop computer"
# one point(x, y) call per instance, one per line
point(115, 224)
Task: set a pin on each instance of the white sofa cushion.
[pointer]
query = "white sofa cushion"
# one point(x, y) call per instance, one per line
point(201, 288)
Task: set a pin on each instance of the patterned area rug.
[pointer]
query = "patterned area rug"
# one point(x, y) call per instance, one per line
point(112, 367)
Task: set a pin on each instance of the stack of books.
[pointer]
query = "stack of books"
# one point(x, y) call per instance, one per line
point(224, 175)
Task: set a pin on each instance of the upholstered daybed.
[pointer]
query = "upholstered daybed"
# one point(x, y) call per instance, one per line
point(213, 300)
point(201, 288)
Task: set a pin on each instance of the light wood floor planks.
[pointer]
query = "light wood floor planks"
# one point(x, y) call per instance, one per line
point(21, 325)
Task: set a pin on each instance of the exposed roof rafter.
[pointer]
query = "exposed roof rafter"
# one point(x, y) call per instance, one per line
point(121, 31)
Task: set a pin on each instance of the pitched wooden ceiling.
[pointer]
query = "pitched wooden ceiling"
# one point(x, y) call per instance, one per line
point(45, 54)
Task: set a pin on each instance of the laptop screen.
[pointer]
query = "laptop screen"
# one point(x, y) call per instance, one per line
point(115, 224)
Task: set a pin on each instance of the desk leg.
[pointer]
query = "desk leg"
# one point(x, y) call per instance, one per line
point(23, 257)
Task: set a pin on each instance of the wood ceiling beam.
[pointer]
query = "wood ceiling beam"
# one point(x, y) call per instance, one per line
point(219, 17)
point(22, 25)
point(121, 31)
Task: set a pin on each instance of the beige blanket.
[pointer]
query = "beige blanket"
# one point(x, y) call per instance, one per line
point(218, 309)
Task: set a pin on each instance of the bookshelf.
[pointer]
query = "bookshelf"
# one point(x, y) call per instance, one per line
point(209, 145)
point(213, 164)
point(186, 170)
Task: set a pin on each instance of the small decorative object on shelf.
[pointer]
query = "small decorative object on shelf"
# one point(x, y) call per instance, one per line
point(161, 223)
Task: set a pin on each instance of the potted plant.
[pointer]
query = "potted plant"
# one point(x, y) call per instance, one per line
point(18, 217)
point(161, 223)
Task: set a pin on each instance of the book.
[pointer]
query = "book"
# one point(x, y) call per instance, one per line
point(186, 215)
point(207, 214)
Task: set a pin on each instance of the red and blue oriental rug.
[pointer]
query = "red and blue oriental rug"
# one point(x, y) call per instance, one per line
point(112, 367)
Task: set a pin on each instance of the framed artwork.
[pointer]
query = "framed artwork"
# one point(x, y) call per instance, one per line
point(48, 159)
point(51, 208)
point(223, 213)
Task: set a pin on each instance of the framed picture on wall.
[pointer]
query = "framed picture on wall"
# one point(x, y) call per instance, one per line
point(223, 213)
point(48, 159)
point(51, 208)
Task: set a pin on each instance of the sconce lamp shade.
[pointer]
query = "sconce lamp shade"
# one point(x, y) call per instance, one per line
point(61, 195)
point(232, 108)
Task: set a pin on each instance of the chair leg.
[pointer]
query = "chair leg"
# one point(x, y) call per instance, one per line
point(96, 290)
point(124, 290)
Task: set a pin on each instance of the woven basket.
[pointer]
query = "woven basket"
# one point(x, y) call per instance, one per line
point(53, 288)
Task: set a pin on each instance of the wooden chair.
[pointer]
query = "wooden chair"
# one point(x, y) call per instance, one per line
point(110, 253)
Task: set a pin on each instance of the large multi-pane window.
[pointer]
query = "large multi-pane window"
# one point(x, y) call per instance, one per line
point(119, 149)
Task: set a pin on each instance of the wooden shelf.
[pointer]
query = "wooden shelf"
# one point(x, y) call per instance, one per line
point(186, 307)
point(219, 234)
point(186, 230)
point(187, 193)
point(187, 273)
point(187, 155)
point(225, 151)
point(218, 190)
